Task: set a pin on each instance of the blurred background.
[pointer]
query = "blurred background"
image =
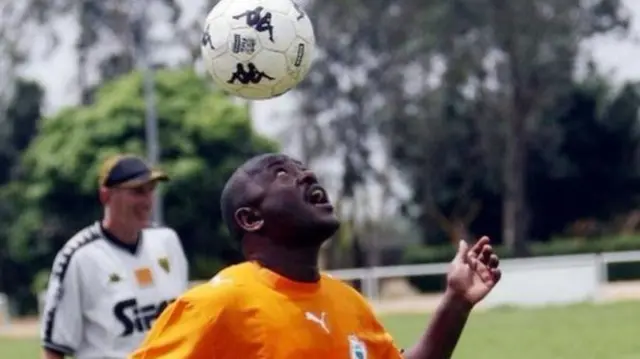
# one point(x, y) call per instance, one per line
point(429, 121)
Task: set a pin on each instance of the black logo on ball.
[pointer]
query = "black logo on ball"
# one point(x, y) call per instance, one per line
point(257, 21)
point(206, 39)
point(249, 75)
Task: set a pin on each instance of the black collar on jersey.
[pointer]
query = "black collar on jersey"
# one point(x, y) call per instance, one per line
point(131, 248)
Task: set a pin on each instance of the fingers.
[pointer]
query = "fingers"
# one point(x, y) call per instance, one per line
point(494, 261)
point(491, 261)
point(473, 263)
point(477, 247)
point(488, 275)
point(463, 252)
point(496, 274)
point(481, 259)
point(486, 253)
point(484, 261)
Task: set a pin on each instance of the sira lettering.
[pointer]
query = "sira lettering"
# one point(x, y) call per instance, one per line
point(249, 75)
point(135, 318)
point(256, 20)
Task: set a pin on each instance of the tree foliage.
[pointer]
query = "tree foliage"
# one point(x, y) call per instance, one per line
point(588, 172)
point(17, 129)
point(453, 92)
point(203, 138)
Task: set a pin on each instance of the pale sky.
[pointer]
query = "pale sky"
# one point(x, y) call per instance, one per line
point(56, 72)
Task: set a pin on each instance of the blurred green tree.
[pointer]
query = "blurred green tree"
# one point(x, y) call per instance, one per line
point(587, 170)
point(203, 135)
point(17, 128)
point(451, 93)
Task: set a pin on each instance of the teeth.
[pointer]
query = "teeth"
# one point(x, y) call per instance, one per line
point(317, 195)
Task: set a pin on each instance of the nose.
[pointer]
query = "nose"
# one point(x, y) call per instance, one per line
point(307, 178)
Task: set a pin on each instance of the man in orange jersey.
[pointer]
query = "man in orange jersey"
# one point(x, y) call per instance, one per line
point(277, 304)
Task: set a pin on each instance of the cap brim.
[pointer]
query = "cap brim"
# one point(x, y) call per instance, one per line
point(153, 176)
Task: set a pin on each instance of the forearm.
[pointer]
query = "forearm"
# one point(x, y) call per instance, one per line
point(50, 354)
point(443, 332)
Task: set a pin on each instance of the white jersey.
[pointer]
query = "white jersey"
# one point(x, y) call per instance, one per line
point(103, 296)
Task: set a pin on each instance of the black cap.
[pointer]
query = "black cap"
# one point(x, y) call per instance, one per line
point(127, 171)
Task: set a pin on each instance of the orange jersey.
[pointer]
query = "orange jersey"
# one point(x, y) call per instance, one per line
point(249, 312)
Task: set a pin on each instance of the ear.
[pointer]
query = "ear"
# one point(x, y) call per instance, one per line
point(248, 219)
point(104, 195)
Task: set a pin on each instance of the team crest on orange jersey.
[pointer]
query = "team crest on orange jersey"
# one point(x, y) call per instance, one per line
point(164, 264)
point(357, 348)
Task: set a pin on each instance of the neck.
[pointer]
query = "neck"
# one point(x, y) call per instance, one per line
point(123, 233)
point(297, 264)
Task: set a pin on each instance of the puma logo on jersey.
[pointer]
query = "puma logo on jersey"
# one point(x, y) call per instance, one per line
point(318, 320)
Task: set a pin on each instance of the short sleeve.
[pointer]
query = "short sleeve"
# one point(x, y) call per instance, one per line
point(379, 341)
point(61, 329)
point(187, 328)
point(387, 345)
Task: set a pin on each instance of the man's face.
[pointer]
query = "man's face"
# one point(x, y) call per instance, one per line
point(294, 206)
point(132, 205)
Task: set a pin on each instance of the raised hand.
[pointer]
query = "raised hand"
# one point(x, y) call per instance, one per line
point(474, 271)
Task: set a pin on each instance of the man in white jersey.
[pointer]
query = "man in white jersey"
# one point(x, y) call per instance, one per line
point(112, 279)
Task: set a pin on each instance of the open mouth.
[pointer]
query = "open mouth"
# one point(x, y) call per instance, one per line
point(317, 196)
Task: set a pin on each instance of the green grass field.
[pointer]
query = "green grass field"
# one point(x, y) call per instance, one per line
point(576, 332)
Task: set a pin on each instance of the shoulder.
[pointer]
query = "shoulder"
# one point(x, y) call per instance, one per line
point(228, 285)
point(84, 238)
point(355, 303)
point(222, 296)
point(209, 312)
point(163, 237)
point(339, 288)
point(161, 233)
point(75, 249)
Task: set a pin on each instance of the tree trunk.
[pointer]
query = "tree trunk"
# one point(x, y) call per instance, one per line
point(514, 230)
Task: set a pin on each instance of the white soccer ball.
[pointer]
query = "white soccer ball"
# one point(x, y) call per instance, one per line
point(257, 49)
